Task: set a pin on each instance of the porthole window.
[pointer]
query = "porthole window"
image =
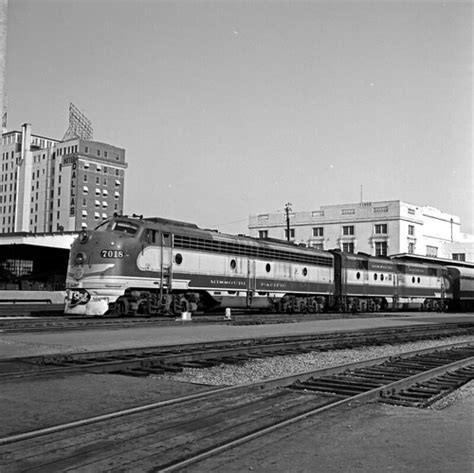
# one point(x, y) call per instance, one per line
point(419, 280)
point(375, 276)
point(178, 258)
point(358, 275)
point(305, 271)
point(268, 267)
point(413, 279)
point(233, 264)
point(381, 277)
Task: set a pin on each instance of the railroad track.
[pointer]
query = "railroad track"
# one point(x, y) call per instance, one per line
point(171, 435)
point(49, 322)
point(157, 360)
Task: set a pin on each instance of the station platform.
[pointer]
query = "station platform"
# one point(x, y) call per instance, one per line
point(72, 341)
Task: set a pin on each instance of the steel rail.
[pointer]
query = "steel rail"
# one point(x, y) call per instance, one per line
point(370, 395)
point(173, 355)
point(264, 385)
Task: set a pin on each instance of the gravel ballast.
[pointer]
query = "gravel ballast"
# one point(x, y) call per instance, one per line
point(264, 369)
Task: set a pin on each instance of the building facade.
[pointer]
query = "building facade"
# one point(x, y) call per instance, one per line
point(376, 228)
point(48, 185)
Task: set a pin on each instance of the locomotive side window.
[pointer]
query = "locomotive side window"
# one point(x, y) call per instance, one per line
point(381, 277)
point(150, 236)
point(358, 275)
point(305, 271)
point(233, 264)
point(413, 279)
point(268, 267)
point(418, 280)
point(375, 276)
point(178, 258)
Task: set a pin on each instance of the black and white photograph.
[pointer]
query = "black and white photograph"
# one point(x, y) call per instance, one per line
point(237, 236)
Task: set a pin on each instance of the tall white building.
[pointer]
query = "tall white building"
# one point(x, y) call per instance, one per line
point(376, 228)
point(47, 185)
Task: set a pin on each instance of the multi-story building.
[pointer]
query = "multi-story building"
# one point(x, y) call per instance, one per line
point(47, 185)
point(376, 228)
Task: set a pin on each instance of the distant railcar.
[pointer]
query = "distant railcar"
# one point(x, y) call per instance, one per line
point(462, 288)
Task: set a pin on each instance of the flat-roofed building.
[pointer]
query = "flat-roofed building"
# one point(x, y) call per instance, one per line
point(47, 185)
point(376, 228)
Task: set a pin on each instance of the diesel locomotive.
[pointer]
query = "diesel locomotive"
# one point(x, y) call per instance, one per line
point(156, 266)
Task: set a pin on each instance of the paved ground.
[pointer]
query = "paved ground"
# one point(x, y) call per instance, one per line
point(32, 344)
point(373, 438)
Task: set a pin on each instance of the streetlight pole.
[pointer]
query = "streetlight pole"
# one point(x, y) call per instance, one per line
point(287, 211)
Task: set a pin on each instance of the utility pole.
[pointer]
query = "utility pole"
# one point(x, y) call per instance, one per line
point(287, 211)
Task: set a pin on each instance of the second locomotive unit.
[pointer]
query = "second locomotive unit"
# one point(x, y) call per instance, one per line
point(155, 266)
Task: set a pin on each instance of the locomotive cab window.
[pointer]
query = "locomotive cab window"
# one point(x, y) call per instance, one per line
point(124, 227)
point(166, 239)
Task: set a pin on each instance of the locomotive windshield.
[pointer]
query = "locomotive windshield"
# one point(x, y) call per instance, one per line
point(118, 226)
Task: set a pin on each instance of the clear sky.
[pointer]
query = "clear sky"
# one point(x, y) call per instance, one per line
point(231, 108)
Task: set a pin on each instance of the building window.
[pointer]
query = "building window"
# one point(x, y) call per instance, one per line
point(411, 211)
point(263, 234)
point(431, 251)
point(378, 210)
point(348, 247)
point(318, 231)
point(292, 233)
point(381, 228)
point(411, 230)
point(86, 149)
point(348, 211)
point(381, 248)
point(348, 230)
point(459, 256)
point(85, 177)
point(411, 248)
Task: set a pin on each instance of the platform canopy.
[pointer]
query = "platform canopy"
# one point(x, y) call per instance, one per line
point(49, 240)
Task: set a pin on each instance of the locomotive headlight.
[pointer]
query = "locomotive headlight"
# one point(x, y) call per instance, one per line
point(80, 258)
point(83, 236)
